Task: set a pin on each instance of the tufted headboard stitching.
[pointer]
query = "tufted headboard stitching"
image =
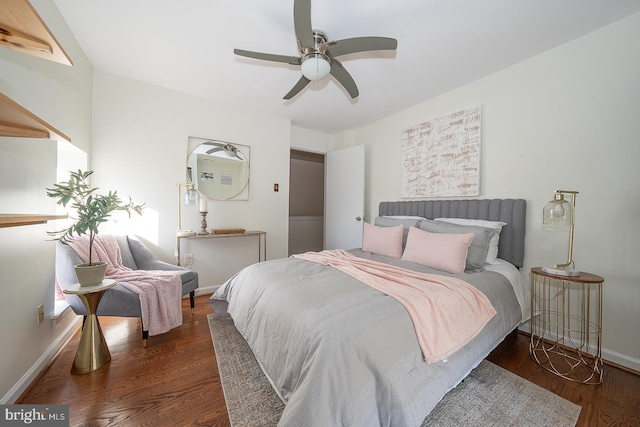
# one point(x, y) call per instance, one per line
point(511, 211)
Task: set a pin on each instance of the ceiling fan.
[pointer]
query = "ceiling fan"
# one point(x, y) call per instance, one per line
point(318, 55)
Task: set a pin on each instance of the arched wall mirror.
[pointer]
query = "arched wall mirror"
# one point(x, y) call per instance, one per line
point(219, 169)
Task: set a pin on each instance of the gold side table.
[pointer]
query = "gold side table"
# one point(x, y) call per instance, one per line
point(92, 353)
point(566, 325)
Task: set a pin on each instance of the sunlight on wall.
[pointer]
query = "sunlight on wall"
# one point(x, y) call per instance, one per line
point(71, 158)
point(145, 226)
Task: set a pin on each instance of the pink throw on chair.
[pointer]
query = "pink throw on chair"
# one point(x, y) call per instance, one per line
point(160, 292)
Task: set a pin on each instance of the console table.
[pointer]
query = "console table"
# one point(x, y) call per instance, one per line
point(260, 235)
point(566, 325)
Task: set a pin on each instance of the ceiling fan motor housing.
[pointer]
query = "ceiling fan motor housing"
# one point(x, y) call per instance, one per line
point(315, 64)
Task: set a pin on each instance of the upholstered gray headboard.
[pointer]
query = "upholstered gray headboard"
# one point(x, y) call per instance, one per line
point(511, 211)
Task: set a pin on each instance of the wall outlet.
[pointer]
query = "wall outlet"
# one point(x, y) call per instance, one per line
point(40, 313)
point(188, 260)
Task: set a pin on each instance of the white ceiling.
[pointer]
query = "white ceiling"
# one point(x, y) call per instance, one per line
point(442, 44)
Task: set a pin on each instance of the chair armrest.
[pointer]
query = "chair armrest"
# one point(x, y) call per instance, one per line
point(160, 265)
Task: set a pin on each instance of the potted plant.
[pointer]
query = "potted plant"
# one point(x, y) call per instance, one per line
point(91, 210)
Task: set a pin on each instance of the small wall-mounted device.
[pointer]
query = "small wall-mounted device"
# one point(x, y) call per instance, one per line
point(276, 187)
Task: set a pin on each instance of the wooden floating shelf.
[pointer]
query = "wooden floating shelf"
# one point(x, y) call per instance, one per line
point(16, 220)
point(22, 29)
point(17, 121)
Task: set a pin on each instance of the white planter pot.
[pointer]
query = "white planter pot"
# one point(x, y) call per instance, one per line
point(91, 275)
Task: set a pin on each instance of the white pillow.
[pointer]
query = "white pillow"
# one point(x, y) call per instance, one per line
point(492, 254)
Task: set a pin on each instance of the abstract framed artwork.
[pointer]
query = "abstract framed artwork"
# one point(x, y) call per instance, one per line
point(441, 157)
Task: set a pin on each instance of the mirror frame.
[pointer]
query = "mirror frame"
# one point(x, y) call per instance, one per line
point(245, 150)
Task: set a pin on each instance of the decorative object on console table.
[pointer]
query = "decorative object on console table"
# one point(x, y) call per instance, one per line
point(204, 210)
point(566, 325)
point(559, 214)
point(227, 230)
point(92, 353)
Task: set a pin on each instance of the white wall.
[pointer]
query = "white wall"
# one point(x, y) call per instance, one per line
point(566, 119)
point(139, 148)
point(309, 140)
point(61, 96)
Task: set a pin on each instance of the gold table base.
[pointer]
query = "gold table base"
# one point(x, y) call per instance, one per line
point(92, 353)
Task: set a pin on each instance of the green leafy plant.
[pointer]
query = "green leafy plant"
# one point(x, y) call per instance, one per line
point(91, 209)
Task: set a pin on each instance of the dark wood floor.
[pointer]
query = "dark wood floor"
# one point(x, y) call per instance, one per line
point(175, 382)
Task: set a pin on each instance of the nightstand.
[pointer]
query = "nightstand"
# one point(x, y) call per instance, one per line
point(92, 353)
point(566, 325)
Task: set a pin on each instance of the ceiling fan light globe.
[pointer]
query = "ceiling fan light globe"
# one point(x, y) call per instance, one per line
point(315, 67)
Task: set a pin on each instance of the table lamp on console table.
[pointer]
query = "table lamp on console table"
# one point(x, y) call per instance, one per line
point(191, 197)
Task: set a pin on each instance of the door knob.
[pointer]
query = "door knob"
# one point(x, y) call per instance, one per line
point(358, 218)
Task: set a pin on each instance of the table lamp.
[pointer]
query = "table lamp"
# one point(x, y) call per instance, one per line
point(559, 214)
point(191, 197)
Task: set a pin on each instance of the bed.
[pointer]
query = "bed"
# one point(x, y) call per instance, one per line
point(339, 352)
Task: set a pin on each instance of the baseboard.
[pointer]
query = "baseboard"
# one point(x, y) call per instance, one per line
point(621, 360)
point(41, 364)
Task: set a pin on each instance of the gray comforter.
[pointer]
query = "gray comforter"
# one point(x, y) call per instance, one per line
point(340, 353)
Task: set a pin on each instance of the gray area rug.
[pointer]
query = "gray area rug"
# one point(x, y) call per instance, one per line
point(489, 396)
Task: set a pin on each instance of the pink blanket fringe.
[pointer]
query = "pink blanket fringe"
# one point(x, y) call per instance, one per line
point(160, 292)
point(446, 312)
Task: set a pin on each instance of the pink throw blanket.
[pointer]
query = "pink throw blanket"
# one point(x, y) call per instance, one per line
point(446, 312)
point(160, 292)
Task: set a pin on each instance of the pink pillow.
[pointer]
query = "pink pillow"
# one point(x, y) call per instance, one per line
point(446, 252)
point(382, 240)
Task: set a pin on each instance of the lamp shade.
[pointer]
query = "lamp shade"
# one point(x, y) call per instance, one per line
point(191, 196)
point(315, 66)
point(557, 214)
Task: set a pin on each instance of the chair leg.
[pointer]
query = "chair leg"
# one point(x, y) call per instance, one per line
point(145, 337)
point(192, 296)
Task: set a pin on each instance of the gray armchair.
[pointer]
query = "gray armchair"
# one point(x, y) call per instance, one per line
point(120, 301)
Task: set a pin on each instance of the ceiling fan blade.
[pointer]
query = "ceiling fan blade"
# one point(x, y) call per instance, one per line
point(302, 83)
point(293, 60)
point(361, 44)
point(213, 150)
point(302, 23)
point(345, 79)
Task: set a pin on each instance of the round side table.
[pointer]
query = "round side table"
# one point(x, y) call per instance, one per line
point(92, 353)
point(566, 325)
